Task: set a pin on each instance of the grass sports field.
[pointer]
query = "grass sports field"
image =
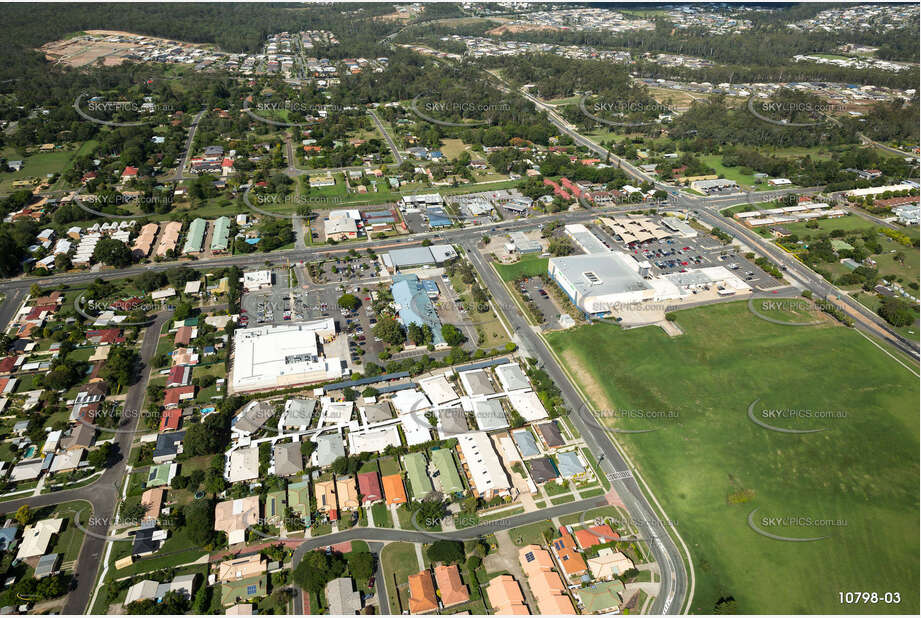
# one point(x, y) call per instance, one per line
point(711, 466)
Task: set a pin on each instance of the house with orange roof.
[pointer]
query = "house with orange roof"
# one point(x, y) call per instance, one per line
point(595, 535)
point(569, 557)
point(545, 583)
point(450, 587)
point(422, 598)
point(169, 421)
point(152, 501)
point(505, 597)
point(394, 492)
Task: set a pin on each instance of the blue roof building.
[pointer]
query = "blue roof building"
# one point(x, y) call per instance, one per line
point(526, 442)
point(569, 465)
point(437, 217)
point(415, 305)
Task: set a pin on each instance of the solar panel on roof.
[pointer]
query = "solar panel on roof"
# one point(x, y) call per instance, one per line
point(529, 556)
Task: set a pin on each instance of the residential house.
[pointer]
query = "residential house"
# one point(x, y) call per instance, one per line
point(548, 588)
point(234, 517)
point(288, 459)
point(341, 598)
point(243, 465)
point(422, 597)
point(169, 445)
point(369, 487)
point(505, 596)
point(347, 493)
point(450, 587)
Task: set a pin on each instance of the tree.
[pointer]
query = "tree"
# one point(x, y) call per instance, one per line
point(100, 456)
point(361, 565)
point(183, 310)
point(23, 515)
point(120, 365)
point(896, 311)
point(112, 252)
point(389, 330)
point(350, 302)
point(133, 514)
point(446, 552)
point(207, 437)
point(199, 518)
point(317, 569)
point(452, 335)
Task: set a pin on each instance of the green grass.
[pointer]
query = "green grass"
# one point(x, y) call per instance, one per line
point(732, 173)
point(37, 165)
point(382, 516)
point(398, 562)
point(727, 359)
point(530, 534)
point(529, 265)
point(70, 540)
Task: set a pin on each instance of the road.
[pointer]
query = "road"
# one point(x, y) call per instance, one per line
point(667, 555)
point(104, 493)
point(187, 153)
point(397, 157)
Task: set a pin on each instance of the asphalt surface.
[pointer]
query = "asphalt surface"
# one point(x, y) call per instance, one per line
point(397, 157)
point(104, 493)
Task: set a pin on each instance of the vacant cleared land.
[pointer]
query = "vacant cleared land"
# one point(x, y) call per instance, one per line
point(712, 465)
point(527, 266)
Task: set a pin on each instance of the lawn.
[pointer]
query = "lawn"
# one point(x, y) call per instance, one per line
point(381, 515)
point(713, 466)
point(732, 173)
point(531, 533)
point(37, 165)
point(398, 562)
point(529, 265)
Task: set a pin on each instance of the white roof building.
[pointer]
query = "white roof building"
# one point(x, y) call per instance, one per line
point(243, 464)
point(438, 389)
point(483, 464)
point(512, 378)
point(410, 400)
point(374, 440)
point(284, 355)
point(528, 405)
point(37, 537)
point(257, 280)
point(416, 428)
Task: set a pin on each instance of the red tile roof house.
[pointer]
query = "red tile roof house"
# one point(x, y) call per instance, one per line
point(105, 336)
point(183, 336)
point(595, 535)
point(38, 310)
point(130, 173)
point(369, 486)
point(169, 421)
point(7, 364)
point(180, 375)
point(176, 395)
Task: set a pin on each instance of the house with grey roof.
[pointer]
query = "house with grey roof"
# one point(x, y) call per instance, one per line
point(330, 447)
point(342, 599)
point(298, 413)
point(288, 460)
